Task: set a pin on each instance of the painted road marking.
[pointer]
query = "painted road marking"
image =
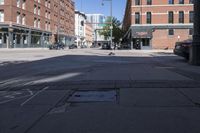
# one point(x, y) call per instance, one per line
point(16, 95)
point(29, 99)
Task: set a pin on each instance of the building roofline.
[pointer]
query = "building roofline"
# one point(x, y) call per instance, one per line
point(80, 13)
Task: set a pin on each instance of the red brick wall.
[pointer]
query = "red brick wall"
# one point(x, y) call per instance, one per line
point(162, 40)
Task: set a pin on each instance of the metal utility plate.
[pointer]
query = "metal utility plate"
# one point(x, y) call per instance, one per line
point(94, 96)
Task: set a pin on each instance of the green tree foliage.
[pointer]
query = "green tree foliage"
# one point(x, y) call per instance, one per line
point(117, 31)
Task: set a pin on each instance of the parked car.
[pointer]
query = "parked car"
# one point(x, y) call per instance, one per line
point(72, 46)
point(56, 46)
point(106, 46)
point(94, 46)
point(183, 48)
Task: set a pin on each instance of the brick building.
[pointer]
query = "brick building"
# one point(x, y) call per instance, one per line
point(157, 24)
point(88, 34)
point(35, 23)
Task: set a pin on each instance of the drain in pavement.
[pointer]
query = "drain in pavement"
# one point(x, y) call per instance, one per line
point(81, 96)
point(85, 96)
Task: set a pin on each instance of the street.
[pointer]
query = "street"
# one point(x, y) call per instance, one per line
point(88, 91)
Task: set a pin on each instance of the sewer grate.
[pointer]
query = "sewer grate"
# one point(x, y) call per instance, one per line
point(94, 96)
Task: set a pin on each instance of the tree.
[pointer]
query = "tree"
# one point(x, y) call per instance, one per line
point(117, 31)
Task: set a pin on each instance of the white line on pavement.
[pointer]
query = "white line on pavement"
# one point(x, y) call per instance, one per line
point(17, 98)
point(34, 96)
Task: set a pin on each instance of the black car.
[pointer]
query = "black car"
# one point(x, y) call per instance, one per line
point(56, 46)
point(106, 46)
point(94, 46)
point(72, 46)
point(183, 48)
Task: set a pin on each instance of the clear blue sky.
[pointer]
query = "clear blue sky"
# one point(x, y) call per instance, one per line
point(95, 6)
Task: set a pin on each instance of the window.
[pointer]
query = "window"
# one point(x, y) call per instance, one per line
point(46, 14)
point(181, 1)
point(18, 18)
point(46, 3)
point(49, 15)
point(191, 1)
point(149, 2)
point(137, 2)
point(38, 10)
point(46, 26)
point(35, 22)
point(39, 23)
point(49, 4)
point(170, 1)
point(23, 19)
point(181, 17)
point(1, 2)
point(49, 26)
point(24, 4)
point(171, 32)
point(148, 17)
point(1, 16)
point(191, 31)
point(35, 9)
point(137, 18)
point(170, 17)
point(191, 19)
point(18, 3)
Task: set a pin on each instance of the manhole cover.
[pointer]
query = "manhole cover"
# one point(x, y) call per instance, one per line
point(94, 96)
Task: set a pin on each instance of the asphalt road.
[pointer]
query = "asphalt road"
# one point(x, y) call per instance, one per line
point(156, 91)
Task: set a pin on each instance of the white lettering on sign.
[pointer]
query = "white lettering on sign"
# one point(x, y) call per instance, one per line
point(142, 33)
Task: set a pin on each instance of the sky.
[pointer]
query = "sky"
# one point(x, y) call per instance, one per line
point(95, 6)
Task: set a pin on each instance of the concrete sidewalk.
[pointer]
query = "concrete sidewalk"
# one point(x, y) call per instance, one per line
point(87, 91)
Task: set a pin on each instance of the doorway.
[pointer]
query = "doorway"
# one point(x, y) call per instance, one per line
point(141, 43)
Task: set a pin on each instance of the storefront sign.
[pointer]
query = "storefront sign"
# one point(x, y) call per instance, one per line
point(139, 33)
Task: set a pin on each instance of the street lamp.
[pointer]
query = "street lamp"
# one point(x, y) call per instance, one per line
point(111, 17)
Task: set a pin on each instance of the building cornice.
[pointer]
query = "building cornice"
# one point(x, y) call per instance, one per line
point(166, 5)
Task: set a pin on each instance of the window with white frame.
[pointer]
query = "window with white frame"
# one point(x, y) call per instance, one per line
point(35, 22)
point(46, 14)
point(39, 24)
point(18, 3)
point(46, 3)
point(49, 15)
point(49, 26)
point(35, 9)
point(38, 10)
point(23, 19)
point(1, 16)
point(49, 4)
point(18, 18)
point(1, 2)
point(46, 26)
point(24, 4)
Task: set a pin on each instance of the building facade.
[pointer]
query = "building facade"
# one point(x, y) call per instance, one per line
point(97, 21)
point(157, 24)
point(88, 34)
point(36, 23)
point(80, 28)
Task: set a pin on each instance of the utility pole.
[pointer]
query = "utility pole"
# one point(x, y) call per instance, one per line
point(111, 19)
point(195, 50)
point(111, 28)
